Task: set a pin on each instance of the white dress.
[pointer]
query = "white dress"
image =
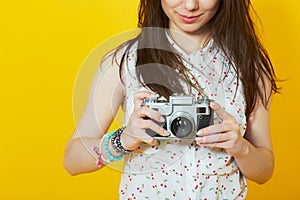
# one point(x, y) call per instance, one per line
point(181, 169)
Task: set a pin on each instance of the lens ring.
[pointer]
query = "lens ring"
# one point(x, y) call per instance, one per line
point(182, 125)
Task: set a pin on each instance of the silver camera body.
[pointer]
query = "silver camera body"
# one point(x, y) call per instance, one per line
point(183, 115)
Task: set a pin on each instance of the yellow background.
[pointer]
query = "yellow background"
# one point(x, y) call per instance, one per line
point(42, 47)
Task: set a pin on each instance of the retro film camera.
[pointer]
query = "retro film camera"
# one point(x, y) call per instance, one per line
point(183, 115)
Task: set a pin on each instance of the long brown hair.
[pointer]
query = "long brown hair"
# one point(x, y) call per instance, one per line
point(232, 30)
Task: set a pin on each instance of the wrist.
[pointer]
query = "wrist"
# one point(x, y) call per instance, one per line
point(243, 149)
point(116, 142)
point(112, 149)
point(128, 142)
point(110, 152)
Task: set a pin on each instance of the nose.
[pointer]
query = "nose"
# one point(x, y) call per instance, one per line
point(191, 4)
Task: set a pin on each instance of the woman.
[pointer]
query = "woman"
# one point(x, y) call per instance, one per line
point(200, 47)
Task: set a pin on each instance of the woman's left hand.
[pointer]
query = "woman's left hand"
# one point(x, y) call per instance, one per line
point(225, 135)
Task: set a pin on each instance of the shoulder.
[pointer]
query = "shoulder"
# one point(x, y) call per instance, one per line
point(112, 59)
point(118, 56)
point(112, 66)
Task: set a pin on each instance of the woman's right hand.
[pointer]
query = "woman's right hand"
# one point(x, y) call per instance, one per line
point(135, 131)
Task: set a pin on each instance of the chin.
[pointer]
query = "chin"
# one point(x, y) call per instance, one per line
point(190, 30)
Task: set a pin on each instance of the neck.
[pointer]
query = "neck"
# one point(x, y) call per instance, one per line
point(190, 42)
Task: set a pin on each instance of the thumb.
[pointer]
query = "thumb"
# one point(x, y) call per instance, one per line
point(140, 96)
point(219, 110)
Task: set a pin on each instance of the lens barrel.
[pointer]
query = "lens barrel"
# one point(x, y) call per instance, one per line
point(182, 125)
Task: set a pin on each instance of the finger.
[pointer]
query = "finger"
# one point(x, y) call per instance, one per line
point(216, 138)
point(226, 125)
point(139, 98)
point(217, 128)
point(149, 124)
point(144, 137)
point(151, 141)
point(150, 113)
point(223, 145)
point(220, 111)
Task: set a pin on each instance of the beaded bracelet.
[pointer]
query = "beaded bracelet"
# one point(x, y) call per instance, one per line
point(98, 153)
point(106, 148)
point(106, 161)
point(100, 158)
point(116, 142)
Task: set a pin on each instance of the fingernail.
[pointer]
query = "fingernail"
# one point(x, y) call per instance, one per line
point(154, 95)
point(199, 139)
point(166, 133)
point(162, 119)
point(200, 132)
point(213, 104)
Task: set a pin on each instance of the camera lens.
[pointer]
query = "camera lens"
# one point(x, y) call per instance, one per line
point(181, 127)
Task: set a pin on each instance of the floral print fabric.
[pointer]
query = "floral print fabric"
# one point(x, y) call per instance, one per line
point(180, 169)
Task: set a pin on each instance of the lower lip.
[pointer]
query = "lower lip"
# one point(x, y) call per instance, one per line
point(189, 20)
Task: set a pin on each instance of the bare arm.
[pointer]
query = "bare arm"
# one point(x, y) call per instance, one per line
point(257, 163)
point(105, 97)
